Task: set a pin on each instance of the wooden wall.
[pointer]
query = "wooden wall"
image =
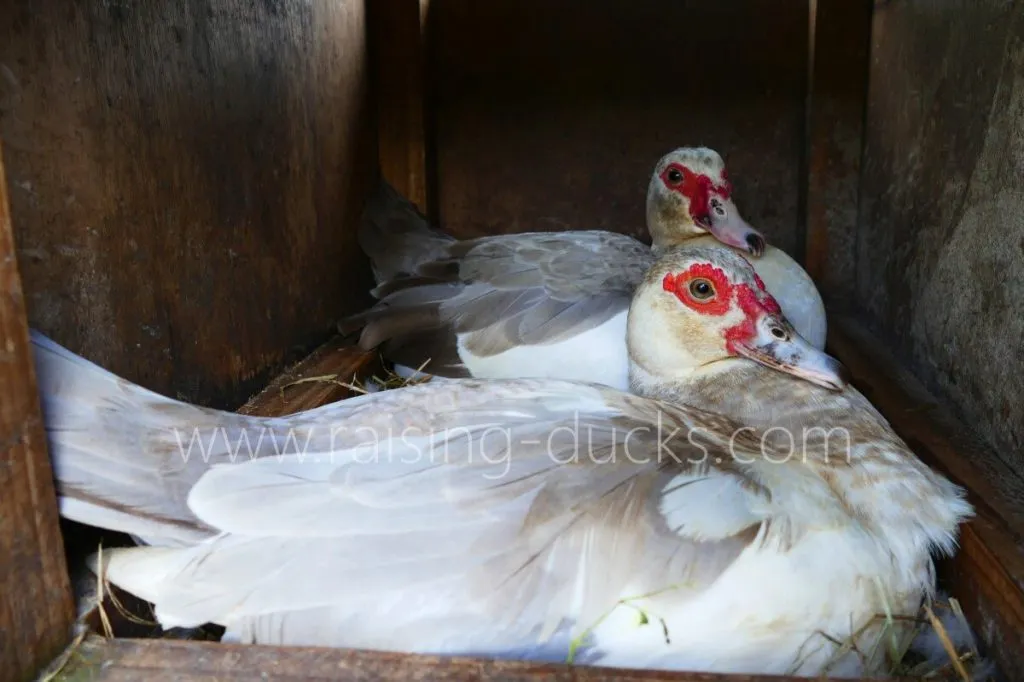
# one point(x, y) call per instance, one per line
point(940, 243)
point(550, 115)
point(184, 180)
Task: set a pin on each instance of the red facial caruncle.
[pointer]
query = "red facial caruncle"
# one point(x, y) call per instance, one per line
point(725, 189)
point(681, 283)
point(686, 287)
point(768, 301)
point(697, 188)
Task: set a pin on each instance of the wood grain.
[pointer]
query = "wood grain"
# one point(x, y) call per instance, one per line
point(398, 48)
point(316, 380)
point(835, 133)
point(35, 593)
point(940, 240)
point(551, 116)
point(987, 573)
point(186, 180)
point(162, 661)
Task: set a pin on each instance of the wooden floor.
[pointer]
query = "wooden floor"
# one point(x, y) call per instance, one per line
point(163, 660)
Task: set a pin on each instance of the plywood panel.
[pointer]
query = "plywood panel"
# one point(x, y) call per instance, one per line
point(940, 265)
point(550, 115)
point(35, 595)
point(185, 178)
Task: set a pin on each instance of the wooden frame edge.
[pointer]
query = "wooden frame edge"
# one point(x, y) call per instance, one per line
point(165, 660)
point(36, 610)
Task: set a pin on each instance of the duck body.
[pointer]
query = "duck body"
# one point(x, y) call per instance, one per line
point(540, 304)
point(545, 305)
point(521, 517)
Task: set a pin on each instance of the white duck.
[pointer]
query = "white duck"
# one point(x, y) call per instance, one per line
point(546, 304)
point(508, 518)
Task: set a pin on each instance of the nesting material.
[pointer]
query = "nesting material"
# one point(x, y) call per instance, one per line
point(939, 647)
point(390, 380)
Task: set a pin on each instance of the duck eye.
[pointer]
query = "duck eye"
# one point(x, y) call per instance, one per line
point(701, 289)
point(675, 176)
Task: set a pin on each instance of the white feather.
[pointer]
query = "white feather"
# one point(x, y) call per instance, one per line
point(596, 355)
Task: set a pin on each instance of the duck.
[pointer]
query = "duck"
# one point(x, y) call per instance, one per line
point(743, 509)
point(550, 304)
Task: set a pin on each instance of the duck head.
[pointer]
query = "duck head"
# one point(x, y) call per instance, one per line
point(701, 308)
point(690, 195)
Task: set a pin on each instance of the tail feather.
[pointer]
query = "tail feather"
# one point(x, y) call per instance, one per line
point(124, 457)
point(396, 236)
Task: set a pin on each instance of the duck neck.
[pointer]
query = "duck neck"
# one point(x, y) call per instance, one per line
point(689, 385)
point(745, 391)
point(669, 230)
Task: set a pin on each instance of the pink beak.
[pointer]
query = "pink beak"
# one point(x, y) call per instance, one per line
point(725, 224)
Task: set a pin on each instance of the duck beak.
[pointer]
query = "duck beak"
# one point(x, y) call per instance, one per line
point(726, 224)
point(777, 345)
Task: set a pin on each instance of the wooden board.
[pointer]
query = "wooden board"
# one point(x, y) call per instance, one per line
point(397, 30)
point(186, 178)
point(940, 241)
point(550, 115)
point(35, 595)
point(987, 573)
point(316, 380)
point(835, 135)
point(163, 661)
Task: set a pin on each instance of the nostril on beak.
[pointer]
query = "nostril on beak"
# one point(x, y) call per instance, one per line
point(756, 244)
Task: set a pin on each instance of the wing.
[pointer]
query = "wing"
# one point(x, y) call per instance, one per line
point(516, 504)
point(396, 236)
point(502, 292)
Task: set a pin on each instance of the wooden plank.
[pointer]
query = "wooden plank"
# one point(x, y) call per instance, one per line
point(35, 593)
point(987, 573)
point(186, 179)
point(835, 132)
point(397, 30)
point(985, 577)
point(162, 661)
point(551, 115)
point(316, 380)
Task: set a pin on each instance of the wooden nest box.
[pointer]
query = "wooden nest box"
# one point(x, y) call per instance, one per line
point(184, 182)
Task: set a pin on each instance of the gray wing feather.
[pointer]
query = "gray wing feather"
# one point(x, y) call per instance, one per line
point(508, 291)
